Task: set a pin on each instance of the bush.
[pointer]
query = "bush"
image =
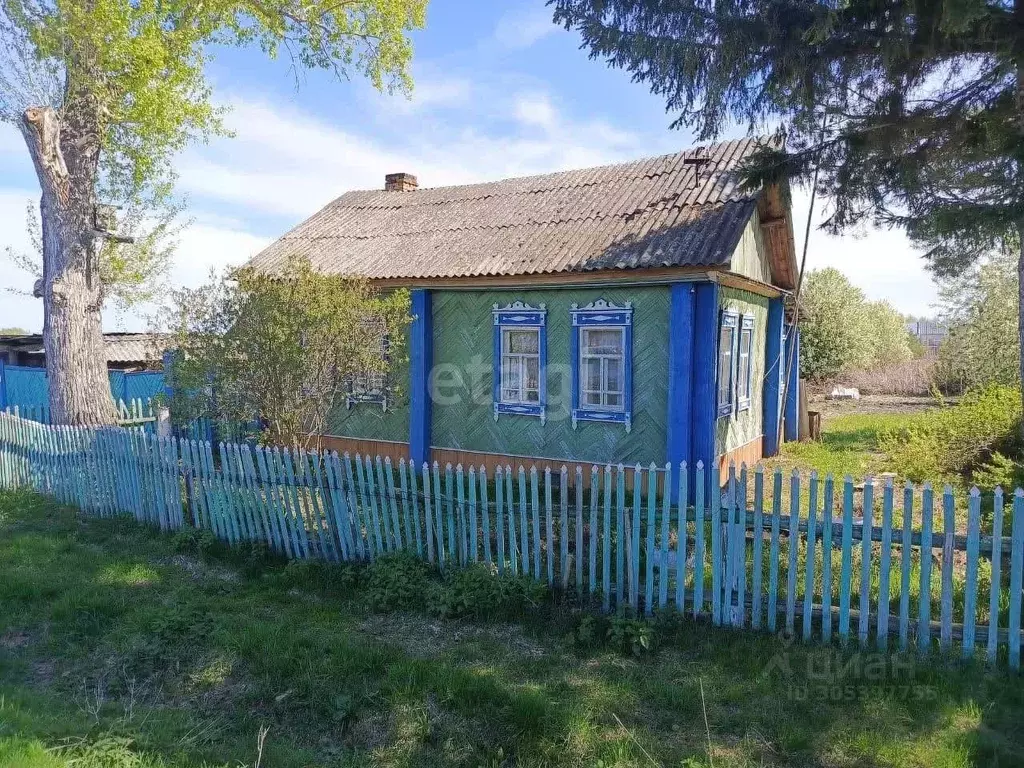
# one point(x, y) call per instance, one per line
point(631, 635)
point(980, 309)
point(189, 540)
point(398, 581)
point(998, 472)
point(956, 441)
point(316, 574)
point(477, 592)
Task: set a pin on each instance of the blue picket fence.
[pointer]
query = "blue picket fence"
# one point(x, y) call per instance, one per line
point(867, 564)
point(134, 413)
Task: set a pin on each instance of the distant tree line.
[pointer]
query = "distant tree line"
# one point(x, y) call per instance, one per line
point(841, 331)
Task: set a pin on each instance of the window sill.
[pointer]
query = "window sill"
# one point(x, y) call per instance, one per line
point(521, 409)
point(367, 399)
point(608, 417)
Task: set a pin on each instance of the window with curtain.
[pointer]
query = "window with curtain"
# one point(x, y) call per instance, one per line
point(520, 365)
point(520, 349)
point(603, 366)
point(602, 359)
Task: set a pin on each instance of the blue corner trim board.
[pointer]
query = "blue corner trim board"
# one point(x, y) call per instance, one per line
point(773, 370)
point(421, 357)
point(3, 383)
point(680, 367)
point(705, 367)
point(793, 387)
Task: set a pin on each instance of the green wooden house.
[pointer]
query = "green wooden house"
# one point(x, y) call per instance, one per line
point(630, 313)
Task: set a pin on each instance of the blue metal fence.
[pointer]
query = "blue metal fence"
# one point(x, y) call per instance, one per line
point(27, 388)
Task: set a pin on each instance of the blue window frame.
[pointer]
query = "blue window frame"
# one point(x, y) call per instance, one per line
point(727, 342)
point(744, 363)
point(602, 363)
point(520, 360)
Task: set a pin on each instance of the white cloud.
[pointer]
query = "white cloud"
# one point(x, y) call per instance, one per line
point(202, 248)
point(288, 163)
point(536, 110)
point(522, 28)
point(434, 93)
point(881, 262)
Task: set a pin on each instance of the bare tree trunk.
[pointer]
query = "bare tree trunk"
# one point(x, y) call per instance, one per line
point(65, 153)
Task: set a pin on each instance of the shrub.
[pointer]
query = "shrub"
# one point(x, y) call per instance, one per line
point(399, 581)
point(955, 441)
point(476, 591)
point(189, 540)
point(316, 574)
point(631, 635)
point(998, 472)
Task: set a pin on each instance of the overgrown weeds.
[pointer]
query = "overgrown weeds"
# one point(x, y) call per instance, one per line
point(975, 441)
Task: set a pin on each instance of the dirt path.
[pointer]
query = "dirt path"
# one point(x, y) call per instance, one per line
point(871, 404)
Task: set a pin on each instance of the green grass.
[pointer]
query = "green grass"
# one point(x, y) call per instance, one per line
point(848, 446)
point(116, 650)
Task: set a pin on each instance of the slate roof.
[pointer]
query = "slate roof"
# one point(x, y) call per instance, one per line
point(120, 347)
point(684, 209)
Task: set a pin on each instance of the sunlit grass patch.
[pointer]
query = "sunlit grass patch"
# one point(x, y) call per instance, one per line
point(129, 575)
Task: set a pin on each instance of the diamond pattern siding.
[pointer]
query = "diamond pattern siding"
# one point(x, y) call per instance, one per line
point(463, 352)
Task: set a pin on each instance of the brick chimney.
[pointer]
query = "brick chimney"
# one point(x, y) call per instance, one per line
point(400, 182)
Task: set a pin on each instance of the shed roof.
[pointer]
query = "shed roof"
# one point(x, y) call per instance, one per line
point(683, 209)
point(120, 347)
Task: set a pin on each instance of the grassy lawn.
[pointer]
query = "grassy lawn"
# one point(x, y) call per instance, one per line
point(848, 445)
point(116, 650)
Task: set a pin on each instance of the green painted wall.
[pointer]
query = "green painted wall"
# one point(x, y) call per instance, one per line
point(751, 256)
point(740, 428)
point(463, 352)
point(367, 421)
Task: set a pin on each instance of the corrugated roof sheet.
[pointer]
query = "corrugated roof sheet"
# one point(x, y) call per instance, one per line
point(684, 209)
point(120, 347)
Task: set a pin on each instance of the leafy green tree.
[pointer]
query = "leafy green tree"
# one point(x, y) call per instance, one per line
point(834, 325)
point(133, 268)
point(908, 113)
point(281, 349)
point(106, 92)
point(841, 331)
point(887, 335)
point(980, 310)
point(13, 331)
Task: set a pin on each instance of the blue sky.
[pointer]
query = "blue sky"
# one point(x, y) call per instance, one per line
point(500, 91)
